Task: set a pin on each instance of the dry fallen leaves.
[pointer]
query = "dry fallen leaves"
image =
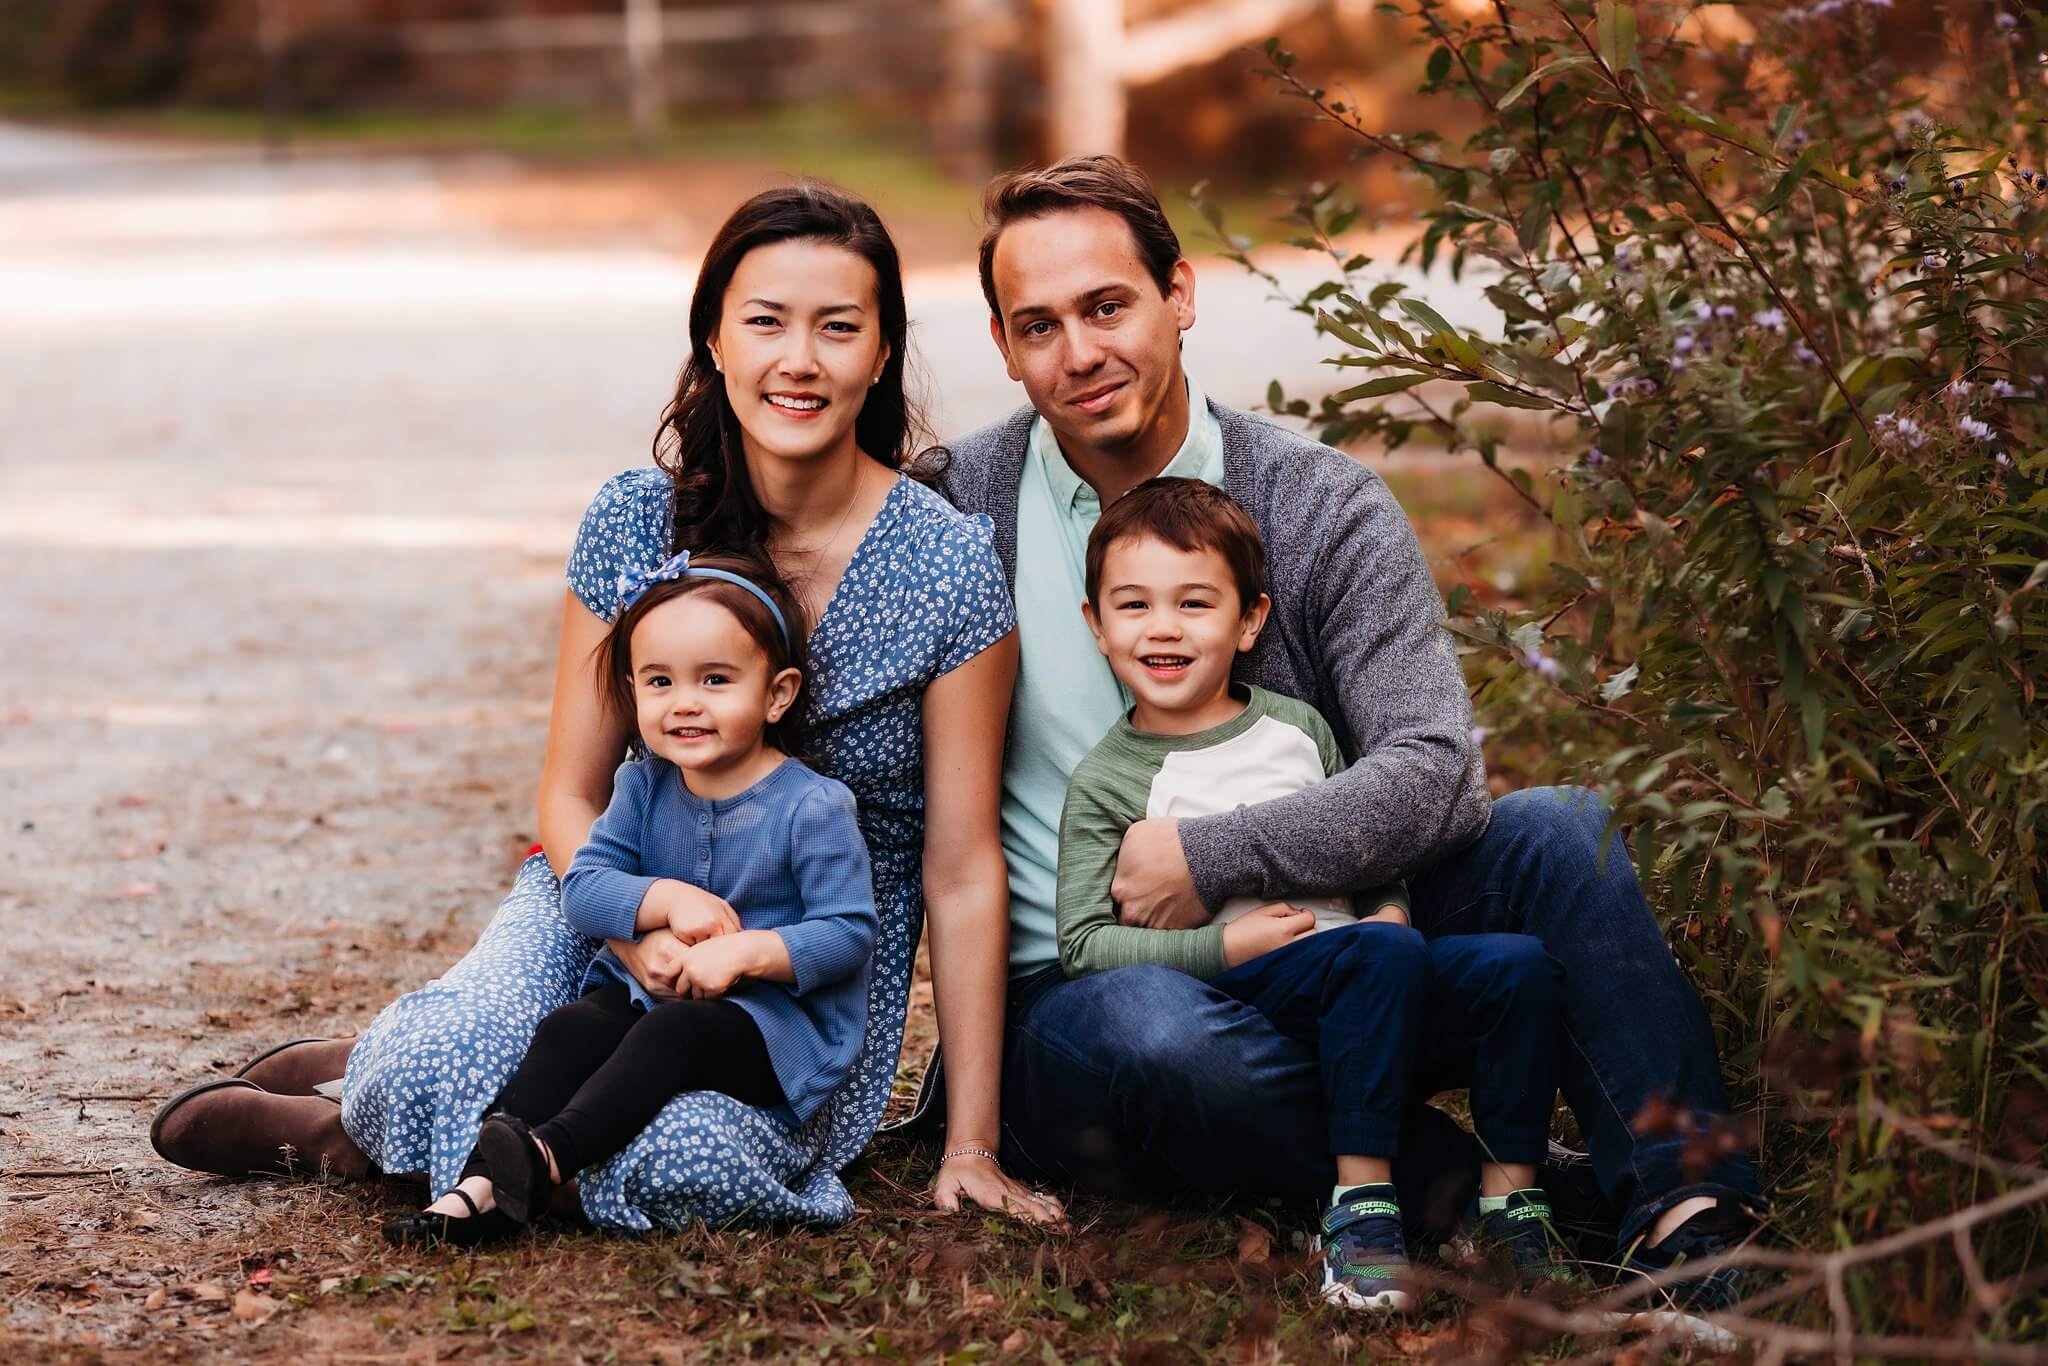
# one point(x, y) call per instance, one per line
point(251, 1307)
point(1254, 1241)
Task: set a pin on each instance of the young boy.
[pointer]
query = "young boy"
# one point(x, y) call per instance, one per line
point(1175, 573)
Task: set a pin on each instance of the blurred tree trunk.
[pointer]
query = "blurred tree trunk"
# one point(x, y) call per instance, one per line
point(1084, 73)
point(966, 131)
point(645, 95)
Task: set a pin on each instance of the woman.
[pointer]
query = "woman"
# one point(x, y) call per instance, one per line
point(786, 433)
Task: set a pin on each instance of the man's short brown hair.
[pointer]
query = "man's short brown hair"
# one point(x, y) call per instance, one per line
point(1190, 515)
point(1089, 182)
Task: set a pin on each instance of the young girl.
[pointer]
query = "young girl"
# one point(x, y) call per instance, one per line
point(751, 860)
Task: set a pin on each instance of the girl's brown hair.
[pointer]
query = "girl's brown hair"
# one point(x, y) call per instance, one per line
point(616, 649)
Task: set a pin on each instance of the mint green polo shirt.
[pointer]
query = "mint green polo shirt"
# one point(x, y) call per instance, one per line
point(1066, 699)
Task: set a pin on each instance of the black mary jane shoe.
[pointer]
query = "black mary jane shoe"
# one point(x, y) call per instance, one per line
point(427, 1228)
point(519, 1170)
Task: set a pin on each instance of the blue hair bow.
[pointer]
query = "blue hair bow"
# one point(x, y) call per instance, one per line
point(633, 583)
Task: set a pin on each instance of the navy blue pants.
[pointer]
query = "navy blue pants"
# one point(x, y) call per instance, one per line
point(1148, 1082)
point(1394, 1020)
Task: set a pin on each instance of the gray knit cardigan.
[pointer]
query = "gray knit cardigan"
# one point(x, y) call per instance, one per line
point(1356, 632)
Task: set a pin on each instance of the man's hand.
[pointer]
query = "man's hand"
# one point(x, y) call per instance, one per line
point(654, 961)
point(694, 915)
point(717, 965)
point(1271, 926)
point(1153, 887)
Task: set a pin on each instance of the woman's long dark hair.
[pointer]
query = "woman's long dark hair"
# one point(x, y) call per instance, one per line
point(698, 442)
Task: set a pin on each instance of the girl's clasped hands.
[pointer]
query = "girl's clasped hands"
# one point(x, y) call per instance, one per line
point(704, 951)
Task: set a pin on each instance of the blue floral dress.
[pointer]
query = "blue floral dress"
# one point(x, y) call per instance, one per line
point(923, 594)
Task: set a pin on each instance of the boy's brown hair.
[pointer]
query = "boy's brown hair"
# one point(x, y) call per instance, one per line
point(1085, 182)
point(1187, 514)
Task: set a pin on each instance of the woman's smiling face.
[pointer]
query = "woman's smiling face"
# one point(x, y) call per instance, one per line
point(800, 342)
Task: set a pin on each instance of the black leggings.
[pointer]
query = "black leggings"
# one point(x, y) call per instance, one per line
point(599, 1070)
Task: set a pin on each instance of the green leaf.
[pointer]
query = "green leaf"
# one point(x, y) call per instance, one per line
point(1789, 181)
point(1617, 686)
point(1373, 388)
point(1521, 87)
point(1535, 226)
point(1617, 35)
point(1439, 65)
point(1343, 331)
point(1506, 398)
point(1687, 710)
point(1624, 431)
point(1445, 336)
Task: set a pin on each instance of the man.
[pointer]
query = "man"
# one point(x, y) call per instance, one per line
point(1135, 1081)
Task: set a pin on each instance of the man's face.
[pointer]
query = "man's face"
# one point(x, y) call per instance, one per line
point(1085, 329)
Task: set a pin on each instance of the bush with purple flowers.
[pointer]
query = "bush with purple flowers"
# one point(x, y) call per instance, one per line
point(1781, 297)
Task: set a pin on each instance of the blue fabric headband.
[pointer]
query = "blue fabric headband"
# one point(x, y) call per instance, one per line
point(633, 583)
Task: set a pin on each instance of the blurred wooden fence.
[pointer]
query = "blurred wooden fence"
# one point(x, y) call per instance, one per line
point(1093, 54)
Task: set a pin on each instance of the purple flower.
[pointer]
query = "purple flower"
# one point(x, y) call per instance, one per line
point(1797, 139)
point(1958, 388)
point(2003, 460)
point(1805, 354)
point(1595, 458)
point(1683, 343)
point(1724, 311)
point(1771, 319)
point(1703, 310)
point(1900, 428)
point(2007, 22)
point(1975, 430)
point(1540, 662)
point(1478, 736)
point(1930, 262)
point(1955, 187)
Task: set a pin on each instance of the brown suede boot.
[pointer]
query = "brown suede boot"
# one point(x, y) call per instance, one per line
point(232, 1127)
point(295, 1068)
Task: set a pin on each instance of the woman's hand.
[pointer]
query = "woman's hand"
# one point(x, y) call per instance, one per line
point(972, 1177)
point(692, 914)
point(654, 961)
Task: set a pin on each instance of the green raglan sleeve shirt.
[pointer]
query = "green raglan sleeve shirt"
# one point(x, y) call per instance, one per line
point(1105, 797)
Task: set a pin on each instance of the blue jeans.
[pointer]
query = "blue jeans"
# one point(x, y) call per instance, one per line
point(1394, 1020)
point(1146, 1082)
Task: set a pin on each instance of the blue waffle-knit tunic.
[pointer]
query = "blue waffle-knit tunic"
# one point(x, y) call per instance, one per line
point(787, 855)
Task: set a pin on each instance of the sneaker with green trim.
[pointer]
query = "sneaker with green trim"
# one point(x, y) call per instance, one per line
point(1365, 1260)
point(1524, 1234)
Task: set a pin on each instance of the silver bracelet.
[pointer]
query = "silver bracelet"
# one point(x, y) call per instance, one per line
point(952, 1153)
